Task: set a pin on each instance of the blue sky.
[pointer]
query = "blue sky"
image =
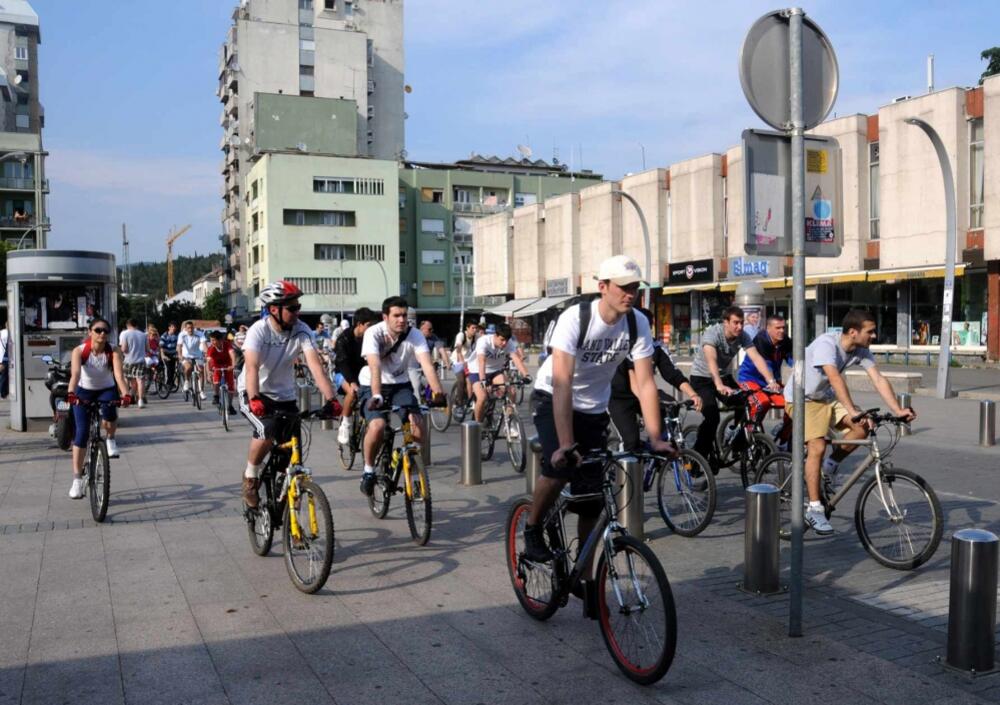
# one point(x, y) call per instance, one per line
point(132, 117)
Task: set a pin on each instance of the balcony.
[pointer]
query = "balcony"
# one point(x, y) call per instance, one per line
point(11, 183)
point(255, 271)
point(475, 301)
point(20, 223)
point(466, 208)
point(457, 269)
point(234, 261)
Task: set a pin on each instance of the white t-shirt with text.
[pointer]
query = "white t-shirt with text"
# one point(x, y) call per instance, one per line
point(377, 341)
point(603, 348)
point(276, 353)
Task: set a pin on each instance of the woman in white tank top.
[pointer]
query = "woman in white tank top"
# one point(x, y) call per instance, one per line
point(96, 376)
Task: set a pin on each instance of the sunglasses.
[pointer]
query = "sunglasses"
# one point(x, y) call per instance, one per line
point(100, 331)
point(294, 308)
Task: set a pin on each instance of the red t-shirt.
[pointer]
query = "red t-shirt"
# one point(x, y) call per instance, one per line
point(220, 357)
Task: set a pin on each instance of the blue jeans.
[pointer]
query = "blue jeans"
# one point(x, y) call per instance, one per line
point(81, 414)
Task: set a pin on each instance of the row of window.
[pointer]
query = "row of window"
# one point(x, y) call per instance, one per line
point(349, 184)
point(471, 195)
point(343, 219)
point(325, 251)
point(330, 5)
point(326, 285)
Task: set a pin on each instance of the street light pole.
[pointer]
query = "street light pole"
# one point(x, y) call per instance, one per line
point(645, 236)
point(951, 242)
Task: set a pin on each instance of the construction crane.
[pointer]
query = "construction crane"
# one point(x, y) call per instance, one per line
point(171, 238)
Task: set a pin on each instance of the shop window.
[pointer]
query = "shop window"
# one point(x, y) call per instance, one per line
point(873, 200)
point(968, 321)
point(880, 299)
point(976, 173)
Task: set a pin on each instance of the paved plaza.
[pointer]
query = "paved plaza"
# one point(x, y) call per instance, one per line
point(165, 602)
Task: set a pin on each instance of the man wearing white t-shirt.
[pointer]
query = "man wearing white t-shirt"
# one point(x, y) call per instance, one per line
point(134, 348)
point(570, 399)
point(390, 348)
point(492, 354)
point(190, 353)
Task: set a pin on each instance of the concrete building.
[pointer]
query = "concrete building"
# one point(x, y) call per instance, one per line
point(23, 186)
point(326, 223)
point(893, 229)
point(349, 50)
point(205, 285)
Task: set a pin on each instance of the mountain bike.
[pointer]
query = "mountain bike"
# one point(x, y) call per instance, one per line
point(225, 396)
point(440, 416)
point(897, 514)
point(517, 382)
point(97, 464)
point(504, 422)
point(403, 463)
point(292, 501)
point(458, 399)
point(741, 441)
point(634, 602)
point(197, 384)
point(167, 383)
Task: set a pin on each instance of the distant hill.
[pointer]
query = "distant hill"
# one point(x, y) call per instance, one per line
point(150, 278)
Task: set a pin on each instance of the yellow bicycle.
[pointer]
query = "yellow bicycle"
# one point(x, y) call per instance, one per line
point(291, 500)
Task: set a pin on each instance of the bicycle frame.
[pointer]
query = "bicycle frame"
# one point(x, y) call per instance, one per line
point(403, 464)
point(290, 488)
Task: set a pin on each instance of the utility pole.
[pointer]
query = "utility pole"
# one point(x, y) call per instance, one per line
point(127, 278)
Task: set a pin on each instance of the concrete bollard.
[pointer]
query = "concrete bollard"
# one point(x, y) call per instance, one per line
point(425, 446)
point(987, 423)
point(630, 500)
point(761, 569)
point(904, 400)
point(972, 600)
point(472, 462)
point(534, 468)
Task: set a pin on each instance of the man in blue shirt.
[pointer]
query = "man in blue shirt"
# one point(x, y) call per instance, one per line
point(168, 349)
point(775, 347)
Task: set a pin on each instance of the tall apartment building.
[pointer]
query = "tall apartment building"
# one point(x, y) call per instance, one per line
point(23, 188)
point(347, 50)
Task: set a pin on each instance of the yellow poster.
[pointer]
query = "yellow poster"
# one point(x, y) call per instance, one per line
point(817, 161)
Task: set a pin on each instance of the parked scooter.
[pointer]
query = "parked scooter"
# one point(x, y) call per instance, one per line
point(57, 382)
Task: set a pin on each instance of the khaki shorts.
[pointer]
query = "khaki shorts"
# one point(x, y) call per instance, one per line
point(821, 417)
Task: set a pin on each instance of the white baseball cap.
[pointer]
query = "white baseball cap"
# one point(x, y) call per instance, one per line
point(620, 269)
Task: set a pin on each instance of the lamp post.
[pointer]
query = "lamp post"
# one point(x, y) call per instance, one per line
point(645, 236)
point(951, 239)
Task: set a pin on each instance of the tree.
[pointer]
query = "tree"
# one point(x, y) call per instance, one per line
point(214, 308)
point(177, 312)
point(992, 57)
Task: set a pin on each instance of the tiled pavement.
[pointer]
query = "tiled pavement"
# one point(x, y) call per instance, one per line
point(165, 603)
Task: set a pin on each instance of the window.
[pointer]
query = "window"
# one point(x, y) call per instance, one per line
point(305, 4)
point(344, 219)
point(402, 256)
point(432, 256)
point(348, 252)
point(336, 252)
point(22, 121)
point(976, 173)
point(524, 199)
point(253, 191)
point(432, 288)
point(307, 45)
point(306, 32)
point(361, 185)
point(431, 195)
point(21, 54)
point(873, 207)
point(24, 75)
point(463, 195)
point(330, 5)
point(325, 285)
point(307, 71)
point(254, 222)
point(432, 225)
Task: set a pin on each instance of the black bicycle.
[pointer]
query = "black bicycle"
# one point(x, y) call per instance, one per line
point(740, 440)
point(292, 501)
point(97, 464)
point(635, 605)
point(504, 422)
point(167, 383)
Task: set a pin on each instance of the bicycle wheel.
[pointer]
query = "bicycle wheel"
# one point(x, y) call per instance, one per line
point(899, 522)
point(636, 611)
point(163, 385)
point(776, 469)
point(99, 479)
point(417, 498)
point(347, 451)
point(535, 584)
point(752, 456)
point(727, 429)
point(260, 526)
point(441, 418)
point(196, 389)
point(686, 494)
point(378, 500)
point(224, 404)
point(517, 444)
point(487, 440)
point(309, 556)
point(519, 395)
point(457, 401)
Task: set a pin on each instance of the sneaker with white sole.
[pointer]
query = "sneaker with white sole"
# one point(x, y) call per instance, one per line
point(112, 448)
point(142, 403)
point(76, 490)
point(344, 434)
point(202, 394)
point(187, 386)
point(816, 519)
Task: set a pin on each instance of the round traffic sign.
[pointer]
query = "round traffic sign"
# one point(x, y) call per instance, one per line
point(764, 71)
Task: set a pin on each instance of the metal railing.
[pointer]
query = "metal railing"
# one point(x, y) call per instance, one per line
point(26, 184)
point(27, 222)
point(477, 208)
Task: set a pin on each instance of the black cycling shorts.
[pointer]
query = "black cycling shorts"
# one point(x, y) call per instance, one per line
point(590, 432)
point(270, 427)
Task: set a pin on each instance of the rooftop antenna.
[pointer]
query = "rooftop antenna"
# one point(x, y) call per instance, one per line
point(127, 278)
point(524, 150)
point(930, 73)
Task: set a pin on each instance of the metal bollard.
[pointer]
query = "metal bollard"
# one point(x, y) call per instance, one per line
point(305, 399)
point(904, 400)
point(760, 540)
point(972, 600)
point(326, 424)
point(987, 423)
point(775, 414)
point(630, 501)
point(425, 446)
point(534, 468)
point(472, 462)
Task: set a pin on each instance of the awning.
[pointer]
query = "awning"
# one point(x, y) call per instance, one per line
point(509, 307)
point(542, 305)
point(884, 275)
point(684, 288)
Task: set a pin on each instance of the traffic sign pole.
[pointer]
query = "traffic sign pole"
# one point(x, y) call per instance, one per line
point(799, 328)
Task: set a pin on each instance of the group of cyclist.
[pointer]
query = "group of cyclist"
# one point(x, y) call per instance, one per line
point(601, 358)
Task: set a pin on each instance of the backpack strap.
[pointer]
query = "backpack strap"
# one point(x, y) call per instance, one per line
point(399, 341)
point(633, 331)
point(584, 324)
point(87, 348)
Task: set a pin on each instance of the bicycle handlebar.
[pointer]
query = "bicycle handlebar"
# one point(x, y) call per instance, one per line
point(605, 455)
point(878, 418)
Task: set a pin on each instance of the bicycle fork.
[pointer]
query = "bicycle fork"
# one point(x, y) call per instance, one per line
point(291, 489)
point(609, 552)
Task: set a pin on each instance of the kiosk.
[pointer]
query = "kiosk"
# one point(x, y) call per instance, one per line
point(51, 297)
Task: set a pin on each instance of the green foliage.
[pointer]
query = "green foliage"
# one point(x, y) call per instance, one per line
point(215, 307)
point(992, 57)
point(178, 312)
point(151, 277)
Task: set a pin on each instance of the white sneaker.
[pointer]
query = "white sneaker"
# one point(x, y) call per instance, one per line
point(816, 519)
point(202, 395)
point(187, 385)
point(344, 434)
point(112, 448)
point(76, 490)
point(142, 403)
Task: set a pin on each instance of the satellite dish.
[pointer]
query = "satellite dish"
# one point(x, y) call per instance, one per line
point(408, 88)
point(17, 79)
point(524, 150)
